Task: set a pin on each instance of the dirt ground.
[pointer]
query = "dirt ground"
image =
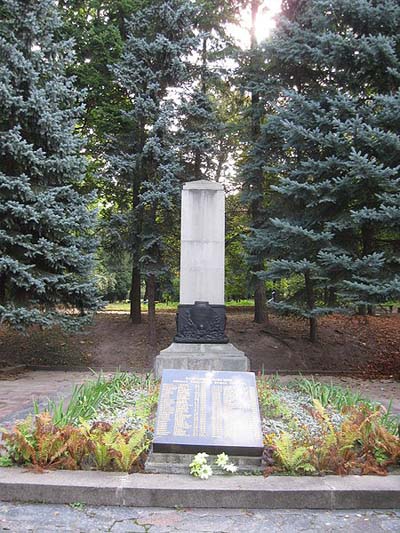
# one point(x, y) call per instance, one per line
point(358, 346)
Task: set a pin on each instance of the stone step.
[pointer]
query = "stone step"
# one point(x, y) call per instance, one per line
point(178, 463)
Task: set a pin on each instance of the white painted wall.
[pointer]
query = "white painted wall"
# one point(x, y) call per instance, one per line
point(202, 273)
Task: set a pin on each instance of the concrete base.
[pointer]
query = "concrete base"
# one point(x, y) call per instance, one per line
point(178, 463)
point(201, 357)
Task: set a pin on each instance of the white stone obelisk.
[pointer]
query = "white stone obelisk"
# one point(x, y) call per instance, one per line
point(202, 273)
point(202, 278)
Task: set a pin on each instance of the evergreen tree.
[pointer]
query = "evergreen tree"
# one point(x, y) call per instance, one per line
point(331, 146)
point(99, 30)
point(251, 76)
point(45, 225)
point(143, 163)
point(203, 130)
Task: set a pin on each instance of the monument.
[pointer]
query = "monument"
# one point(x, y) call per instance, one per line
point(206, 411)
point(200, 342)
point(213, 412)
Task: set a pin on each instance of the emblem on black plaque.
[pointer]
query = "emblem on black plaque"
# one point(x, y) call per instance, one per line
point(202, 323)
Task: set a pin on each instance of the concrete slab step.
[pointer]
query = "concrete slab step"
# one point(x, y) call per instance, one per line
point(169, 490)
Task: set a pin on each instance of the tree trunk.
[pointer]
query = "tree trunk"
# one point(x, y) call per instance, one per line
point(197, 165)
point(325, 295)
point(135, 312)
point(331, 297)
point(2, 288)
point(313, 329)
point(260, 307)
point(362, 310)
point(367, 235)
point(311, 305)
point(151, 313)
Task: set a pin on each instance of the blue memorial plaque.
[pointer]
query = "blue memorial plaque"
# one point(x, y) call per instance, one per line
point(208, 411)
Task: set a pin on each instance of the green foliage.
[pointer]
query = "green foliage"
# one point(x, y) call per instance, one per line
point(329, 196)
point(102, 394)
point(340, 398)
point(40, 443)
point(172, 305)
point(71, 438)
point(127, 451)
point(112, 449)
point(346, 434)
point(46, 228)
point(5, 460)
point(113, 274)
point(237, 273)
point(83, 403)
point(292, 457)
point(270, 403)
point(328, 394)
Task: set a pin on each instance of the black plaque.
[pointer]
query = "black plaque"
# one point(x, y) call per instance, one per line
point(208, 411)
point(201, 323)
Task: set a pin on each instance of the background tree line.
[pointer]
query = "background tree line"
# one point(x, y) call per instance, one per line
point(107, 107)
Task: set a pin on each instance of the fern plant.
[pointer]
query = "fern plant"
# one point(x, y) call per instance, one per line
point(127, 450)
point(293, 458)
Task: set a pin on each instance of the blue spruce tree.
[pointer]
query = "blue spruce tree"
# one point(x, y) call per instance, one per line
point(45, 226)
point(331, 155)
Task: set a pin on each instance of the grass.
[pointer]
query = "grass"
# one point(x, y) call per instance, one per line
point(93, 396)
point(171, 306)
point(339, 398)
point(328, 394)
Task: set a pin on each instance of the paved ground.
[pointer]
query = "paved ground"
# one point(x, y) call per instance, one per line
point(16, 394)
point(16, 400)
point(42, 518)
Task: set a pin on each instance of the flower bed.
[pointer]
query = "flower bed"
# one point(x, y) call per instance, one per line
point(308, 428)
point(107, 425)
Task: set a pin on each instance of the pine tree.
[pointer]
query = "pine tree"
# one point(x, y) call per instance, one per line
point(143, 162)
point(251, 76)
point(45, 225)
point(204, 135)
point(331, 146)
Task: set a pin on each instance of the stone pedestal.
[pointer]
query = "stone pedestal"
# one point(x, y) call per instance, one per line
point(200, 342)
point(201, 357)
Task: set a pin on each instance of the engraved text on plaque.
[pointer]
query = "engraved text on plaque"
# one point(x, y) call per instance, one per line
point(208, 411)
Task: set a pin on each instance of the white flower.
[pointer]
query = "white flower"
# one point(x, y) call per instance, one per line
point(199, 467)
point(221, 460)
point(230, 467)
point(205, 472)
point(200, 458)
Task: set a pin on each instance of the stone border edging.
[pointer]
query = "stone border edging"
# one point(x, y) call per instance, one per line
point(239, 492)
